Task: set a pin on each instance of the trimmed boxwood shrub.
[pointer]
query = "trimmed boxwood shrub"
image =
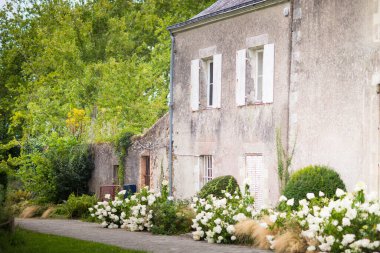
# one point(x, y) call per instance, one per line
point(313, 179)
point(217, 185)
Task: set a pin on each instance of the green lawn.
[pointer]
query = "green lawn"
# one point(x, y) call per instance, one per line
point(24, 241)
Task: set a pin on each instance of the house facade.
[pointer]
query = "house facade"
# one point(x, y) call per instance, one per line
point(244, 69)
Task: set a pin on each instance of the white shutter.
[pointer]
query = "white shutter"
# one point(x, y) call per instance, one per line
point(268, 73)
point(254, 173)
point(240, 77)
point(217, 62)
point(195, 85)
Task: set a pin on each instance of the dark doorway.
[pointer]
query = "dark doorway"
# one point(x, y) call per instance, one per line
point(145, 169)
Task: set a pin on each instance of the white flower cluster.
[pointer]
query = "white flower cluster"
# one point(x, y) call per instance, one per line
point(110, 212)
point(140, 212)
point(349, 222)
point(133, 213)
point(215, 217)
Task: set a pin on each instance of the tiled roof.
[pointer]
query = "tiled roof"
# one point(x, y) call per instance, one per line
point(224, 5)
point(219, 7)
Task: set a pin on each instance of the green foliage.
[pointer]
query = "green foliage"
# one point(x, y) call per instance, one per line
point(3, 186)
point(108, 58)
point(218, 185)
point(61, 168)
point(18, 196)
point(17, 201)
point(77, 207)
point(171, 218)
point(284, 160)
point(313, 179)
point(86, 70)
point(122, 145)
point(24, 241)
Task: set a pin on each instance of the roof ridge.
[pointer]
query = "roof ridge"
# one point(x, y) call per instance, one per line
point(218, 8)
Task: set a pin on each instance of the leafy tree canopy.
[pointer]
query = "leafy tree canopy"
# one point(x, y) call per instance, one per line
point(108, 58)
point(78, 72)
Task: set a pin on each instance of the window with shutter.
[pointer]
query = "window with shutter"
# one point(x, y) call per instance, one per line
point(255, 75)
point(210, 84)
point(194, 85)
point(259, 75)
point(255, 178)
point(206, 82)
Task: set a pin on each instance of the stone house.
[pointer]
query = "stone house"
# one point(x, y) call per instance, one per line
point(244, 69)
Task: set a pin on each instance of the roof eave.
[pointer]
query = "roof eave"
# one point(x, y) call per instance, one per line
point(223, 14)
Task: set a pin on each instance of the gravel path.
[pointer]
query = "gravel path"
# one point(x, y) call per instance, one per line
point(129, 240)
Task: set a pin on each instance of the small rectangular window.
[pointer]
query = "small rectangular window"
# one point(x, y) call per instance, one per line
point(259, 75)
point(210, 83)
point(207, 169)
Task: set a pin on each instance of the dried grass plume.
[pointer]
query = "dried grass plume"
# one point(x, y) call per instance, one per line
point(29, 212)
point(289, 242)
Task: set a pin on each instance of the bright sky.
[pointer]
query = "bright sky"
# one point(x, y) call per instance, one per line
point(2, 3)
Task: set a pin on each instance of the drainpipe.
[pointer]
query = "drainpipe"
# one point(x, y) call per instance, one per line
point(378, 137)
point(290, 49)
point(171, 117)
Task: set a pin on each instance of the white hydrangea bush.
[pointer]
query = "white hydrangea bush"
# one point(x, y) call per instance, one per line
point(349, 222)
point(133, 213)
point(110, 212)
point(140, 212)
point(215, 217)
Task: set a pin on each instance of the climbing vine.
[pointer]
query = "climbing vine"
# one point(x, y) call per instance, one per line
point(284, 160)
point(122, 145)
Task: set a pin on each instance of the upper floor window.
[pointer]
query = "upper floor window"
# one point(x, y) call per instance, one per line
point(259, 75)
point(210, 83)
point(255, 75)
point(206, 81)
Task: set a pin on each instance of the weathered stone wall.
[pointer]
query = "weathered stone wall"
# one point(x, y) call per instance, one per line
point(334, 106)
point(231, 132)
point(104, 160)
point(153, 143)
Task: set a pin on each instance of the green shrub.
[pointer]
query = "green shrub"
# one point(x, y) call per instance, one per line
point(62, 167)
point(171, 218)
point(72, 167)
point(217, 185)
point(17, 196)
point(313, 179)
point(4, 179)
point(77, 207)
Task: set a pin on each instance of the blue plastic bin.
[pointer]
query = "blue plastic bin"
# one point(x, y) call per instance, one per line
point(130, 189)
